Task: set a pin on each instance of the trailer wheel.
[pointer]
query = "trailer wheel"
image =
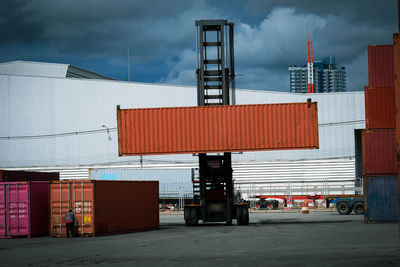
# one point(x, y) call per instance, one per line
point(191, 216)
point(359, 208)
point(343, 208)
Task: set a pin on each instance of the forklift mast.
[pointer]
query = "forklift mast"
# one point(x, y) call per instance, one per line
point(213, 196)
point(215, 70)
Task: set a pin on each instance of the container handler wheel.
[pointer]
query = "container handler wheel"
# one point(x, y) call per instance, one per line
point(242, 215)
point(359, 208)
point(343, 208)
point(191, 216)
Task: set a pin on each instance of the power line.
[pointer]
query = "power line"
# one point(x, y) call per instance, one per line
point(58, 134)
point(341, 122)
point(115, 129)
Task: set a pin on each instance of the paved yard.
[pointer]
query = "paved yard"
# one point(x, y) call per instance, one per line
point(271, 239)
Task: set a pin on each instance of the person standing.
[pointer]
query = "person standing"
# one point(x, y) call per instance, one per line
point(70, 223)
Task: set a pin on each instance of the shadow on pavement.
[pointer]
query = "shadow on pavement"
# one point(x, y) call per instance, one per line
point(298, 222)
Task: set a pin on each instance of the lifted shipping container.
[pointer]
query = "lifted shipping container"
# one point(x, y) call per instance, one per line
point(211, 129)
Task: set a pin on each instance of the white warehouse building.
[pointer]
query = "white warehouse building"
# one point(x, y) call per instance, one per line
point(57, 117)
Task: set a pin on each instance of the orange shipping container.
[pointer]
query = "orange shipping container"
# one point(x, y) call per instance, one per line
point(380, 65)
point(212, 129)
point(380, 108)
point(104, 207)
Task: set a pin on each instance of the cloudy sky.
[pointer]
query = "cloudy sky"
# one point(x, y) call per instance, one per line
point(270, 35)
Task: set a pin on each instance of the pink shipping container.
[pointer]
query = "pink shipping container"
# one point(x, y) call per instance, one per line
point(380, 66)
point(24, 209)
point(380, 108)
point(211, 129)
point(379, 152)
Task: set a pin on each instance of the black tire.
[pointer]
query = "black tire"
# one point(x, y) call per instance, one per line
point(245, 216)
point(359, 208)
point(242, 215)
point(191, 217)
point(239, 215)
point(343, 208)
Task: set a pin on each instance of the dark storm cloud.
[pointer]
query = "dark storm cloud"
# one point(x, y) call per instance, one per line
point(15, 25)
point(264, 50)
point(152, 29)
point(270, 35)
point(382, 12)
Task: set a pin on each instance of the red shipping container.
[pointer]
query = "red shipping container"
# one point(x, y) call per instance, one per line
point(380, 66)
point(396, 54)
point(380, 108)
point(104, 207)
point(212, 129)
point(379, 152)
point(24, 209)
point(396, 62)
point(20, 176)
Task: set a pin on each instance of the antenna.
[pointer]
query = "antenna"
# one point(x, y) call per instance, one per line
point(129, 72)
point(310, 64)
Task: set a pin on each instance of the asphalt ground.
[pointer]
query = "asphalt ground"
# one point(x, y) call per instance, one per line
point(271, 239)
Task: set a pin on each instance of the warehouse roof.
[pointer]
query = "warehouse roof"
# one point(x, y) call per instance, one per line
point(44, 69)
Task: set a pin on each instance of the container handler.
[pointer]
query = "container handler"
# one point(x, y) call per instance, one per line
point(213, 191)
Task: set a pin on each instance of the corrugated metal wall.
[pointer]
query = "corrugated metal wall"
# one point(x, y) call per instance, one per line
point(335, 176)
point(59, 122)
point(173, 183)
point(329, 176)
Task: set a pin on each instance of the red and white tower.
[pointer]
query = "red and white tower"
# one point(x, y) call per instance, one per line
point(310, 65)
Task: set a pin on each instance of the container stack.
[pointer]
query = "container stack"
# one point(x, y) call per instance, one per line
point(379, 138)
point(396, 67)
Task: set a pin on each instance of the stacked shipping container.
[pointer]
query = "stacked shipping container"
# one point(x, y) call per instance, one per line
point(379, 138)
point(396, 72)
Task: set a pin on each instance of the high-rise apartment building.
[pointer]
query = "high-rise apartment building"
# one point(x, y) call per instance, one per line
point(328, 77)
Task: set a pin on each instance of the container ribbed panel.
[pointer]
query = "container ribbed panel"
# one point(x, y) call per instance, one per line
point(380, 65)
point(217, 129)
